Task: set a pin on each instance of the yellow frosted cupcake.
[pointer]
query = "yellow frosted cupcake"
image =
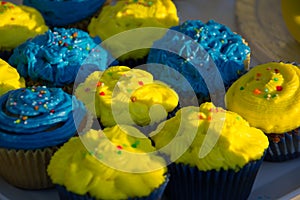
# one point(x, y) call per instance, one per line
point(10, 78)
point(115, 163)
point(215, 153)
point(268, 98)
point(121, 95)
point(126, 15)
point(18, 23)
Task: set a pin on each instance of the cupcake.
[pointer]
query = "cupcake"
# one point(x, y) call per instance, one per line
point(202, 53)
point(121, 95)
point(127, 15)
point(10, 78)
point(18, 23)
point(54, 58)
point(214, 154)
point(34, 122)
point(116, 163)
point(268, 97)
point(65, 12)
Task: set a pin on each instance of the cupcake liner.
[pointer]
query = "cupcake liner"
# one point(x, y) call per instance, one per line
point(189, 183)
point(26, 169)
point(283, 147)
point(155, 195)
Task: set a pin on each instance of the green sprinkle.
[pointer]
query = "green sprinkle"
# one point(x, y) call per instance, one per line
point(119, 152)
point(242, 88)
point(275, 79)
point(266, 90)
point(134, 145)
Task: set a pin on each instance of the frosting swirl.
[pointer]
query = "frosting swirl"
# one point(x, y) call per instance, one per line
point(11, 79)
point(129, 15)
point(268, 97)
point(18, 23)
point(226, 49)
point(56, 56)
point(121, 95)
point(85, 171)
point(221, 135)
point(64, 12)
point(38, 117)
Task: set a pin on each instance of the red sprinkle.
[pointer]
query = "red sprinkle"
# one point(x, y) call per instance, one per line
point(119, 147)
point(279, 88)
point(102, 94)
point(141, 83)
point(52, 111)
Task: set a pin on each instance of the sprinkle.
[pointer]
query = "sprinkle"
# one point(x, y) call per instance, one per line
point(242, 88)
point(256, 91)
point(17, 121)
point(279, 88)
point(119, 147)
point(276, 71)
point(36, 107)
point(200, 116)
point(59, 42)
point(275, 79)
point(141, 83)
point(119, 152)
point(266, 90)
point(24, 118)
point(40, 95)
point(258, 74)
point(102, 94)
point(64, 37)
point(99, 83)
point(134, 145)
point(66, 44)
point(70, 47)
point(274, 95)
point(52, 111)
point(74, 35)
point(150, 3)
point(209, 118)
point(133, 99)
point(129, 90)
point(42, 92)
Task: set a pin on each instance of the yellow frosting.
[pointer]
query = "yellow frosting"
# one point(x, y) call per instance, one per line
point(121, 95)
point(291, 15)
point(10, 78)
point(18, 23)
point(130, 14)
point(210, 138)
point(268, 97)
point(89, 172)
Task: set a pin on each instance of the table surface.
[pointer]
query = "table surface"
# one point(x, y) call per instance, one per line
point(274, 180)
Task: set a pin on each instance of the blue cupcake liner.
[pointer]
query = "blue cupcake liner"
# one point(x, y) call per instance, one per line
point(286, 147)
point(189, 183)
point(64, 194)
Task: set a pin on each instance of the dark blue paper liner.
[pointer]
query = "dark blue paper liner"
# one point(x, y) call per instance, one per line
point(4, 55)
point(188, 183)
point(287, 148)
point(155, 195)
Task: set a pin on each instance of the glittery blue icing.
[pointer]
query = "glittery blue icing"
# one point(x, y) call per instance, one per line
point(38, 117)
point(64, 12)
point(56, 56)
point(224, 47)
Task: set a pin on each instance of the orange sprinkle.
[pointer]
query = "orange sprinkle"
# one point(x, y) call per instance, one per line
point(257, 91)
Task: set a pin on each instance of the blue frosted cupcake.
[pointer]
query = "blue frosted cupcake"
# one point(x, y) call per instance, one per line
point(214, 154)
point(116, 163)
point(55, 58)
point(65, 12)
point(195, 47)
point(34, 122)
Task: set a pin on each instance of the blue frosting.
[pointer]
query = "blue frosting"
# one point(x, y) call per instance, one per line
point(38, 117)
point(64, 12)
point(224, 47)
point(56, 56)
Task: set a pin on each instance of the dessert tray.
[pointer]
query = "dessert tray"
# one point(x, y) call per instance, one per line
point(260, 23)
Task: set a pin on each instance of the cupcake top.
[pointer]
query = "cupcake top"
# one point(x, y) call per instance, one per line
point(210, 138)
point(10, 79)
point(18, 23)
point(131, 14)
point(56, 56)
point(64, 12)
point(121, 95)
point(38, 117)
point(89, 172)
point(188, 45)
point(268, 97)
